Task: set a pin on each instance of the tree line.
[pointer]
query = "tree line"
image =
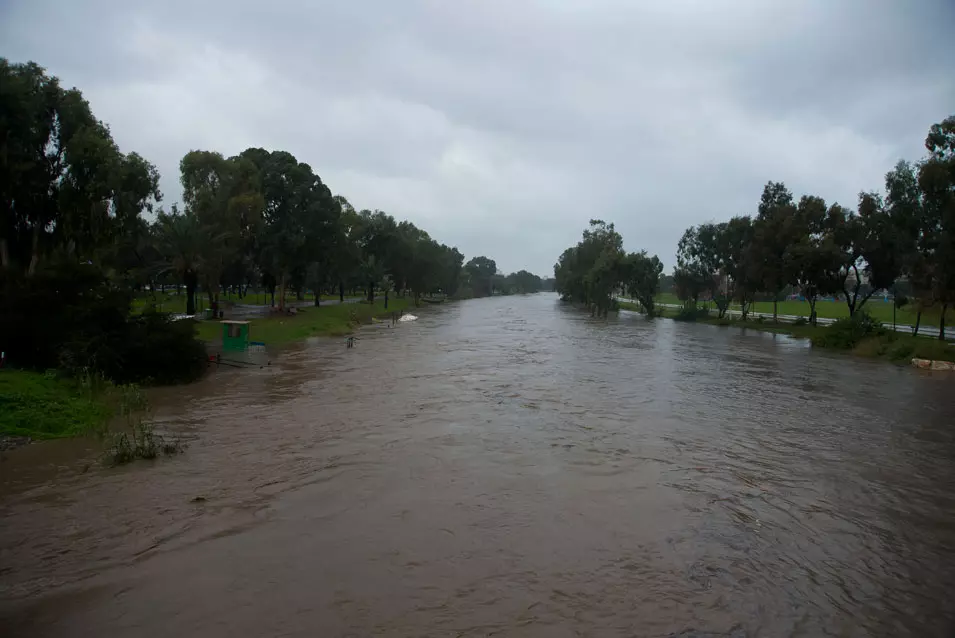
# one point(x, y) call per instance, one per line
point(902, 241)
point(259, 218)
point(83, 229)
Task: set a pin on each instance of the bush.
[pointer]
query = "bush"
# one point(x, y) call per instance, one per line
point(159, 350)
point(691, 313)
point(72, 317)
point(847, 333)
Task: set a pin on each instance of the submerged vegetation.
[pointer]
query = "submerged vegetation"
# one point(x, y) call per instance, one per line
point(135, 437)
point(40, 406)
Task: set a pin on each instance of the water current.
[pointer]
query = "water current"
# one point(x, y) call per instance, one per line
point(508, 467)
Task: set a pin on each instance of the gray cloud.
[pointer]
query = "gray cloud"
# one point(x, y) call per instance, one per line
point(501, 126)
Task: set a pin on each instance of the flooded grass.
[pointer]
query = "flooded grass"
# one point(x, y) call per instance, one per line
point(333, 320)
point(137, 438)
point(897, 347)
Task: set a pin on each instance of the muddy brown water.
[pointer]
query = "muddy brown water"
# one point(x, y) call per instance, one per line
point(506, 467)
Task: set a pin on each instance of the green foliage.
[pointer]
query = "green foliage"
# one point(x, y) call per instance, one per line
point(480, 271)
point(641, 279)
point(45, 406)
point(905, 237)
point(846, 334)
point(521, 282)
point(65, 187)
point(692, 313)
point(74, 318)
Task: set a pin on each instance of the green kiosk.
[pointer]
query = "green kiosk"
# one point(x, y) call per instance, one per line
point(235, 336)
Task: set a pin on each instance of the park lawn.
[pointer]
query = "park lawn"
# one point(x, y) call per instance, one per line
point(175, 304)
point(318, 321)
point(43, 406)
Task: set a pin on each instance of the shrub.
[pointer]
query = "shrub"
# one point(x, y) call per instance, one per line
point(691, 313)
point(847, 333)
point(72, 317)
point(159, 350)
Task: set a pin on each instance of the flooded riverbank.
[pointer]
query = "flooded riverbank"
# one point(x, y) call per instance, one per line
point(506, 466)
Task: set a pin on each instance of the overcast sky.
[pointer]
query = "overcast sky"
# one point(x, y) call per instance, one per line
point(502, 127)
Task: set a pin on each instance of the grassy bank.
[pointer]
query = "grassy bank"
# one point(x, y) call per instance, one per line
point(897, 347)
point(333, 320)
point(43, 406)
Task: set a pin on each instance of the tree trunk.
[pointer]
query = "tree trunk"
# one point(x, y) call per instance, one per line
point(318, 297)
point(341, 292)
point(371, 292)
point(812, 311)
point(918, 320)
point(35, 256)
point(282, 292)
point(386, 300)
point(941, 322)
point(191, 281)
point(4, 253)
point(775, 311)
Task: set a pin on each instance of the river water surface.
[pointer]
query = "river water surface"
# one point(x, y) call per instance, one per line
point(508, 467)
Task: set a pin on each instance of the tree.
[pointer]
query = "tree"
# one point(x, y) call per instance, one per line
point(936, 179)
point(481, 270)
point(904, 205)
point(773, 232)
point(524, 282)
point(64, 185)
point(738, 262)
point(299, 213)
point(641, 279)
point(813, 259)
point(180, 242)
point(224, 196)
point(698, 266)
point(590, 272)
point(869, 258)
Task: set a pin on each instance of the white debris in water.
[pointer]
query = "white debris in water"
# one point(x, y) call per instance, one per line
point(408, 318)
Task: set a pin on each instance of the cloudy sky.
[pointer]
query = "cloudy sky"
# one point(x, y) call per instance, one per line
point(503, 126)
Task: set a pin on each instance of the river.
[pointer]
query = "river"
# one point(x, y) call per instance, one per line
point(510, 467)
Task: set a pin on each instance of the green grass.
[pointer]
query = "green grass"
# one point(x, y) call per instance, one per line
point(309, 322)
point(176, 304)
point(163, 302)
point(830, 309)
point(42, 406)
